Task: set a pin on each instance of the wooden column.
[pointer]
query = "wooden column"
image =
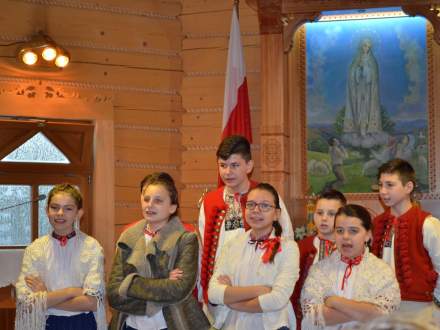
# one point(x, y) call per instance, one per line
point(274, 136)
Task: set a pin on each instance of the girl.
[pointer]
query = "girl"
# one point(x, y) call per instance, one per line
point(155, 267)
point(254, 277)
point(352, 285)
point(61, 284)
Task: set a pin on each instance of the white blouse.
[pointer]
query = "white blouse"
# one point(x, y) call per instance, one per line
point(242, 263)
point(371, 281)
point(78, 264)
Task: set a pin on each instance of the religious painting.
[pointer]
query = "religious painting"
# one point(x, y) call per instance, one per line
point(367, 100)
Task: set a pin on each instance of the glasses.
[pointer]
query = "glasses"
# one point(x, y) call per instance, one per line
point(263, 207)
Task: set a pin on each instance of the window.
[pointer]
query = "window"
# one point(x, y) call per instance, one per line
point(35, 155)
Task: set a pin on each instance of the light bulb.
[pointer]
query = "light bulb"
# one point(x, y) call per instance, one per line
point(49, 53)
point(29, 57)
point(61, 61)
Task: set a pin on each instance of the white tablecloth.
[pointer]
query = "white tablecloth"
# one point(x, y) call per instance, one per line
point(10, 266)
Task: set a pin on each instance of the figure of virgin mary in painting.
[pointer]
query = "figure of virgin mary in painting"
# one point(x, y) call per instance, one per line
point(362, 119)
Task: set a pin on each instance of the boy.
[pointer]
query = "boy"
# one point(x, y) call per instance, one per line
point(408, 239)
point(221, 213)
point(319, 246)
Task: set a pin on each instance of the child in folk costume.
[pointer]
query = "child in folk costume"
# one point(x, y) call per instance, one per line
point(319, 246)
point(254, 276)
point(61, 284)
point(408, 239)
point(352, 285)
point(155, 267)
point(221, 215)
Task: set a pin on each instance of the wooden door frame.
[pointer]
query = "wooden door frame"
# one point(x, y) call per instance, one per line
point(74, 102)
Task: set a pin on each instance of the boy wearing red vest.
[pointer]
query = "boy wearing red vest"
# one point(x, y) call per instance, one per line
point(408, 239)
point(319, 246)
point(221, 215)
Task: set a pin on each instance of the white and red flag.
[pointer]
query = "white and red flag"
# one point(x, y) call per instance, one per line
point(236, 111)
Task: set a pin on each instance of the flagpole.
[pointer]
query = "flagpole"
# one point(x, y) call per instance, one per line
point(237, 5)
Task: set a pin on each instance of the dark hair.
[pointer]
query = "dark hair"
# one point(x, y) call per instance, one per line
point(332, 194)
point(331, 141)
point(234, 144)
point(165, 180)
point(356, 211)
point(69, 189)
point(401, 167)
point(276, 224)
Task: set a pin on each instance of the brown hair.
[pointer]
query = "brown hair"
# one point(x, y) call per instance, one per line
point(69, 189)
point(165, 180)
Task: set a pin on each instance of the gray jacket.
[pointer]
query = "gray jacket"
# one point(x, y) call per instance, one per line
point(139, 283)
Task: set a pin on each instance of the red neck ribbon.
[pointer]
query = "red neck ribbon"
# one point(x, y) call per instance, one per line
point(350, 263)
point(63, 238)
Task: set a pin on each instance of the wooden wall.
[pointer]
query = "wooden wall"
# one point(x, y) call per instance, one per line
point(129, 50)
point(162, 63)
point(205, 29)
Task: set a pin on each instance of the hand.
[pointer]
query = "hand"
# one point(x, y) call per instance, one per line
point(225, 280)
point(175, 274)
point(332, 301)
point(264, 290)
point(35, 283)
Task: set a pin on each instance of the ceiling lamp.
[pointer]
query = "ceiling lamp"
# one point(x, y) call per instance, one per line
point(42, 51)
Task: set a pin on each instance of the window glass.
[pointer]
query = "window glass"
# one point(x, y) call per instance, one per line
point(43, 223)
point(38, 149)
point(15, 215)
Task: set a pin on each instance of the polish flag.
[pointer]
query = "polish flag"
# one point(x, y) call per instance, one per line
point(236, 111)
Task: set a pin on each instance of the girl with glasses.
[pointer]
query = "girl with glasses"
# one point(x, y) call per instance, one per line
point(254, 277)
point(351, 286)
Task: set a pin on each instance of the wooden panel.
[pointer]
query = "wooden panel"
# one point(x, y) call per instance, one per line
point(132, 58)
point(189, 215)
point(168, 8)
point(128, 194)
point(207, 119)
point(212, 96)
point(125, 215)
point(214, 60)
point(209, 135)
point(146, 101)
point(197, 6)
point(130, 177)
point(106, 28)
point(218, 22)
point(168, 119)
point(154, 79)
point(165, 156)
point(139, 139)
point(219, 43)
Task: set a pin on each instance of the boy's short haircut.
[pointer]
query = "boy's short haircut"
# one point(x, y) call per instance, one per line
point(400, 167)
point(234, 144)
point(332, 194)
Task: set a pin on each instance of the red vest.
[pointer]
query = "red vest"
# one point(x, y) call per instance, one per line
point(414, 270)
point(215, 210)
point(307, 253)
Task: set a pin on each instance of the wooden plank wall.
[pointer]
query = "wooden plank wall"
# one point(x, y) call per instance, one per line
point(130, 48)
point(205, 26)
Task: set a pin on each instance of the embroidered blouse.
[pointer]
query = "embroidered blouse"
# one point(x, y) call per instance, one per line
point(371, 281)
point(80, 263)
point(242, 262)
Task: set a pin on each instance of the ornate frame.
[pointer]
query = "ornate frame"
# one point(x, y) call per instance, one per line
point(281, 115)
point(430, 112)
